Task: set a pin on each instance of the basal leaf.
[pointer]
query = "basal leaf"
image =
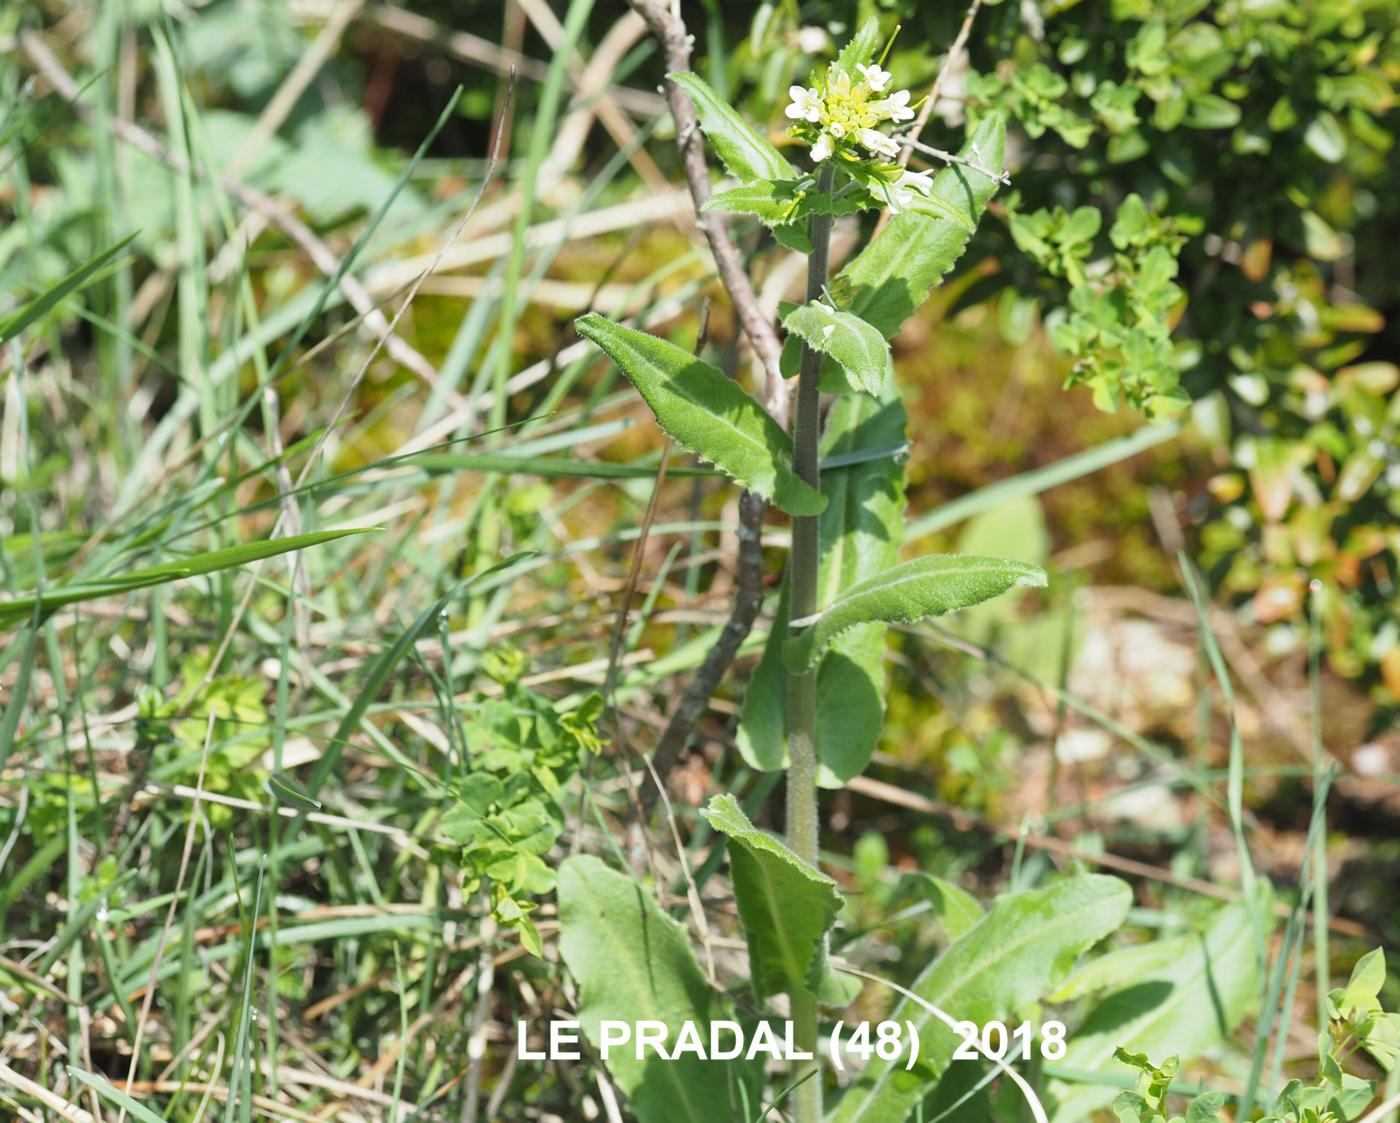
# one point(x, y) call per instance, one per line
point(632, 962)
point(894, 274)
point(1177, 1009)
point(995, 970)
point(958, 909)
point(857, 346)
point(746, 154)
point(786, 905)
point(22, 608)
point(707, 413)
point(860, 530)
point(924, 587)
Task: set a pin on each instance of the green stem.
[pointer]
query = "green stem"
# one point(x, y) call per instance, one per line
point(802, 825)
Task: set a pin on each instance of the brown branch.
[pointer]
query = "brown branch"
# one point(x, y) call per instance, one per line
point(669, 31)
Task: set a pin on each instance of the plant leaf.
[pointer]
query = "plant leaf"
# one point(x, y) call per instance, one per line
point(22, 608)
point(861, 49)
point(958, 909)
point(1122, 967)
point(1367, 979)
point(998, 968)
point(927, 586)
point(774, 201)
point(786, 905)
point(857, 346)
point(633, 962)
point(894, 274)
point(14, 323)
point(783, 206)
point(1180, 1009)
point(707, 413)
point(746, 154)
point(860, 530)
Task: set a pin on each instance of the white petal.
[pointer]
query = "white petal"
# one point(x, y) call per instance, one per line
point(875, 78)
point(878, 142)
point(822, 149)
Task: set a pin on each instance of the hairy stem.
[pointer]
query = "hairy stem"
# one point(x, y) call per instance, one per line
point(802, 826)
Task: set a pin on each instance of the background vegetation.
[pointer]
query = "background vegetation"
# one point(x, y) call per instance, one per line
point(285, 832)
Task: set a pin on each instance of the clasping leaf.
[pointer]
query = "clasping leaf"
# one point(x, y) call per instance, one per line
point(786, 907)
point(707, 413)
point(858, 347)
point(925, 587)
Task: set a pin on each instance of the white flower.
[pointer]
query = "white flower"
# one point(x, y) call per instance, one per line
point(822, 149)
point(907, 186)
point(895, 107)
point(875, 78)
point(806, 104)
point(812, 40)
point(878, 143)
point(836, 130)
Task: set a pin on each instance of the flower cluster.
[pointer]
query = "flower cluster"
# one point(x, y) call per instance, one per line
point(841, 120)
point(842, 117)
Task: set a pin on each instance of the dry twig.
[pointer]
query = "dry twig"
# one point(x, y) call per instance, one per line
point(670, 32)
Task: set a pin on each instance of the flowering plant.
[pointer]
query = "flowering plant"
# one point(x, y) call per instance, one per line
point(815, 703)
point(840, 117)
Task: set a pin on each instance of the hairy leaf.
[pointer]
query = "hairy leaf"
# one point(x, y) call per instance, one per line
point(707, 413)
point(894, 274)
point(783, 206)
point(1122, 967)
point(860, 531)
point(111, 1094)
point(861, 49)
point(786, 905)
point(1178, 1009)
point(632, 962)
point(774, 201)
point(858, 347)
point(924, 587)
point(745, 153)
point(996, 969)
point(958, 909)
